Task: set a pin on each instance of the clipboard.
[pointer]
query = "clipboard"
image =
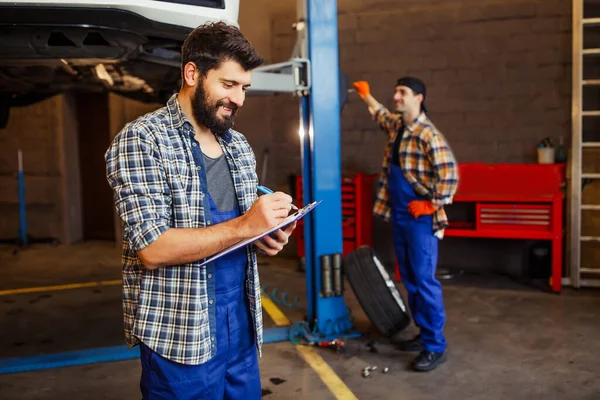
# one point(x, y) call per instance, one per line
point(288, 220)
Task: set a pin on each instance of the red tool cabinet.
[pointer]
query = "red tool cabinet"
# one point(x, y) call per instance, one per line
point(357, 212)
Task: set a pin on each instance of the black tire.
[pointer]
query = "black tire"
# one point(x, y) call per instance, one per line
point(376, 292)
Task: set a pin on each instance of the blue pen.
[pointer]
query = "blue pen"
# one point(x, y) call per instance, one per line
point(266, 190)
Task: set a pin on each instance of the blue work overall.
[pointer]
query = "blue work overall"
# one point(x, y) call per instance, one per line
point(233, 372)
point(417, 251)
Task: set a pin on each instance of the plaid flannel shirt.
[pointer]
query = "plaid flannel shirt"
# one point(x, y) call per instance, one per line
point(158, 185)
point(426, 160)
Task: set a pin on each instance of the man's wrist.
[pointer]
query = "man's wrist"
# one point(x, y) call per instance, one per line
point(435, 205)
point(241, 227)
point(373, 103)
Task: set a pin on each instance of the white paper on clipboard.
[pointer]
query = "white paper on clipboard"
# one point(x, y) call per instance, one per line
point(291, 218)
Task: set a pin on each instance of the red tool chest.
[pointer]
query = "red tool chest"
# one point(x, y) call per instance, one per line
point(357, 212)
point(514, 201)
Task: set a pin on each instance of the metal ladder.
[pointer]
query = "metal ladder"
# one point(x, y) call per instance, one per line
point(580, 275)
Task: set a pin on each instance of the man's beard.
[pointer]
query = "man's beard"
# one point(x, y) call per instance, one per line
point(206, 113)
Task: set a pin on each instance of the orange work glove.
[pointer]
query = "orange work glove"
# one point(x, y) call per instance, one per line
point(420, 207)
point(362, 88)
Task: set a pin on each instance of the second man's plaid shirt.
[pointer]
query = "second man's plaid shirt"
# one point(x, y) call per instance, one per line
point(426, 160)
point(157, 186)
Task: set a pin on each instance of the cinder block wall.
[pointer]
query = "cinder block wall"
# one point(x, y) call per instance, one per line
point(498, 74)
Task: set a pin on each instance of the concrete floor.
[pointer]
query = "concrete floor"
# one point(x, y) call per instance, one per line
point(506, 340)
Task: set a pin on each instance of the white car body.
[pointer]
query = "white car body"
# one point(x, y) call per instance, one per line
point(166, 12)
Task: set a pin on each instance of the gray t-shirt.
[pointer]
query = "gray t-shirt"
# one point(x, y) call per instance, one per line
point(220, 183)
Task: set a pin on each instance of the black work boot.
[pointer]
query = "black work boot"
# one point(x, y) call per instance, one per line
point(413, 344)
point(428, 360)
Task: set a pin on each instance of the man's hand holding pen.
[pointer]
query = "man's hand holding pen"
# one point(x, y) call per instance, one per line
point(266, 190)
point(269, 210)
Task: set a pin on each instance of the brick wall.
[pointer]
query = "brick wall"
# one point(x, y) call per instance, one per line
point(498, 77)
point(498, 74)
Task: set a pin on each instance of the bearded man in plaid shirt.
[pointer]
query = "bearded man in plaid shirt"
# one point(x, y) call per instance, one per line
point(185, 188)
point(419, 177)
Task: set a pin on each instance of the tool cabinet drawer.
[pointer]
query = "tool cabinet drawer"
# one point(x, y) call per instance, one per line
point(514, 216)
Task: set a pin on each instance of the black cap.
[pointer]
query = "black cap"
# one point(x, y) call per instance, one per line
point(416, 85)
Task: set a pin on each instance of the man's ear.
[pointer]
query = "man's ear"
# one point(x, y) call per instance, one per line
point(191, 74)
point(420, 96)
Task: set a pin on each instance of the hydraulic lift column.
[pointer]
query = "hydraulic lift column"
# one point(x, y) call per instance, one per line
point(320, 133)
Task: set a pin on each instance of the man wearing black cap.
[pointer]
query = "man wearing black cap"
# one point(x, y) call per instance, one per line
point(419, 177)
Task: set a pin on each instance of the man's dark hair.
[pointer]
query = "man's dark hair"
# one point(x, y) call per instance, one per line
point(213, 43)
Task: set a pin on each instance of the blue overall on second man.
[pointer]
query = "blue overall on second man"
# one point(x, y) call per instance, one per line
point(417, 251)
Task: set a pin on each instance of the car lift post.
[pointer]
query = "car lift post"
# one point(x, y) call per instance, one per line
point(327, 313)
point(313, 75)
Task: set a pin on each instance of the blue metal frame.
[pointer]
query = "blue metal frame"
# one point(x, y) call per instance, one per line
point(98, 355)
point(321, 160)
point(309, 261)
point(22, 217)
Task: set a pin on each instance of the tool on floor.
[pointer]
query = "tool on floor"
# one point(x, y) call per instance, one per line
point(370, 368)
point(336, 344)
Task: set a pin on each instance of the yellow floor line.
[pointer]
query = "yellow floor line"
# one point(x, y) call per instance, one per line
point(316, 362)
point(327, 375)
point(274, 312)
point(60, 287)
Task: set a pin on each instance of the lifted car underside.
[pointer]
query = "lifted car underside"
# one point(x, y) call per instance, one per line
point(46, 51)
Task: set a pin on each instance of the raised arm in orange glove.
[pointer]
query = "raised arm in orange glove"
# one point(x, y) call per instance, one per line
point(362, 88)
point(420, 207)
